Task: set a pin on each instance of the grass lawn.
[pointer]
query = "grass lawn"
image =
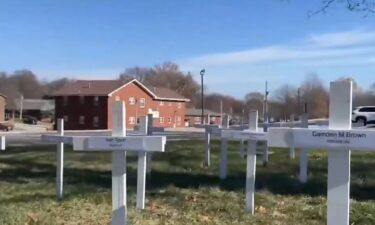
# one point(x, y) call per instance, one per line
point(180, 190)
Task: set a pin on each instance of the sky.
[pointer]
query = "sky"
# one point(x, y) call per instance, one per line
point(240, 43)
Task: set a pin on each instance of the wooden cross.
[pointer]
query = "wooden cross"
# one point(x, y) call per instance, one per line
point(2, 143)
point(59, 140)
point(339, 138)
point(119, 144)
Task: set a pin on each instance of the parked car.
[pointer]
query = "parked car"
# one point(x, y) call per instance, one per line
point(29, 120)
point(363, 115)
point(6, 126)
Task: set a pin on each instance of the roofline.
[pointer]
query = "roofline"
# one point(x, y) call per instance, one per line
point(149, 91)
point(3, 96)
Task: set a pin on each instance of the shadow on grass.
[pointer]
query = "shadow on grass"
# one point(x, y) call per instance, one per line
point(274, 178)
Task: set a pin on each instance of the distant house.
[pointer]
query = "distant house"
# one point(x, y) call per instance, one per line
point(3, 99)
point(87, 104)
point(31, 107)
point(194, 116)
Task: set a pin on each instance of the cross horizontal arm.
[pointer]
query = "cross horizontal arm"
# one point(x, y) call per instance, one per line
point(2, 143)
point(129, 143)
point(55, 139)
point(322, 138)
point(244, 135)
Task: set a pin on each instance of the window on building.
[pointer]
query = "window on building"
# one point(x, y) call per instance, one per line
point(161, 103)
point(96, 121)
point(131, 101)
point(169, 119)
point(179, 120)
point(142, 102)
point(131, 120)
point(197, 119)
point(81, 100)
point(117, 98)
point(96, 100)
point(65, 118)
point(65, 100)
point(81, 120)
point(179, 105)
point(161, 119)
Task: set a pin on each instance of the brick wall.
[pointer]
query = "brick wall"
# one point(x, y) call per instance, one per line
point(80, 115)
point(169, 111)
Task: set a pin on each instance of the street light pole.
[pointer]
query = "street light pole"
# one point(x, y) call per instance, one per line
point(202, 95)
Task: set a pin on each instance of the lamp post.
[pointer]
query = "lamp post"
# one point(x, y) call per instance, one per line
point(202, 73)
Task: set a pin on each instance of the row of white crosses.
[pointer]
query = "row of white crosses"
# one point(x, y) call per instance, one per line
point(339, 139)
point(118, 144)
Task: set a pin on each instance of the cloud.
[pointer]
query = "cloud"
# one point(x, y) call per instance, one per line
point(329, 46)
point(343, 39)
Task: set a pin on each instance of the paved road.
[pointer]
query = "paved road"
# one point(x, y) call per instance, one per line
point(34, 138)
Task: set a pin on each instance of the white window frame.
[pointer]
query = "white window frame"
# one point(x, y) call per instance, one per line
point(96, 100)
point(131, 120)
point(65, 100)
point(95, 121)
point(81, 99)
point(131, 101)
point(161, 103)
point(161, 119)
point(81, 120)
point(142, 102)
point(179, 105)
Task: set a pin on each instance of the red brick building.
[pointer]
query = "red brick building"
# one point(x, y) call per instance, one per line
point(87, 104)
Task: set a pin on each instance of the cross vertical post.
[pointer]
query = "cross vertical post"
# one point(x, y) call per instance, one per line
point(303, 160)
point(207, 155)
point(251, 163)
point(142, 160)
point(292, 153)
point(2, 143)
point(224, 150)
point(119, 210)
point(150, 120)
point(60, 160)
point(339, 160)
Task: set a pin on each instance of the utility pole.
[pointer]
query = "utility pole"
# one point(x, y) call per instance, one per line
point(221, 112)
point(265, 112)
point(299, 102)
point(202, 95)
point(21, 106)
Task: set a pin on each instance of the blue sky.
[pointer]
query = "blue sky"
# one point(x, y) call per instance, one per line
point(240, 43)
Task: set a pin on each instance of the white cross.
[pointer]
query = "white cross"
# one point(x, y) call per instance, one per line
point(2, 143)
point(144, 159)
point(215, 130)
point(119, 144)
point(252, 135)
point(59, 140)
point(338, 139)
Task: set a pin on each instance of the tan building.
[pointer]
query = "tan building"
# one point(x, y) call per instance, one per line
point(3, 99)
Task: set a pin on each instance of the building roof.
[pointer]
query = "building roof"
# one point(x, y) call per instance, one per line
point(198, 112)
point(108, 87)
point(33, 104)
point(89, 87)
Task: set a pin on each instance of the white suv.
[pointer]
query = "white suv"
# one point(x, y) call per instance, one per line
point(363, 114)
